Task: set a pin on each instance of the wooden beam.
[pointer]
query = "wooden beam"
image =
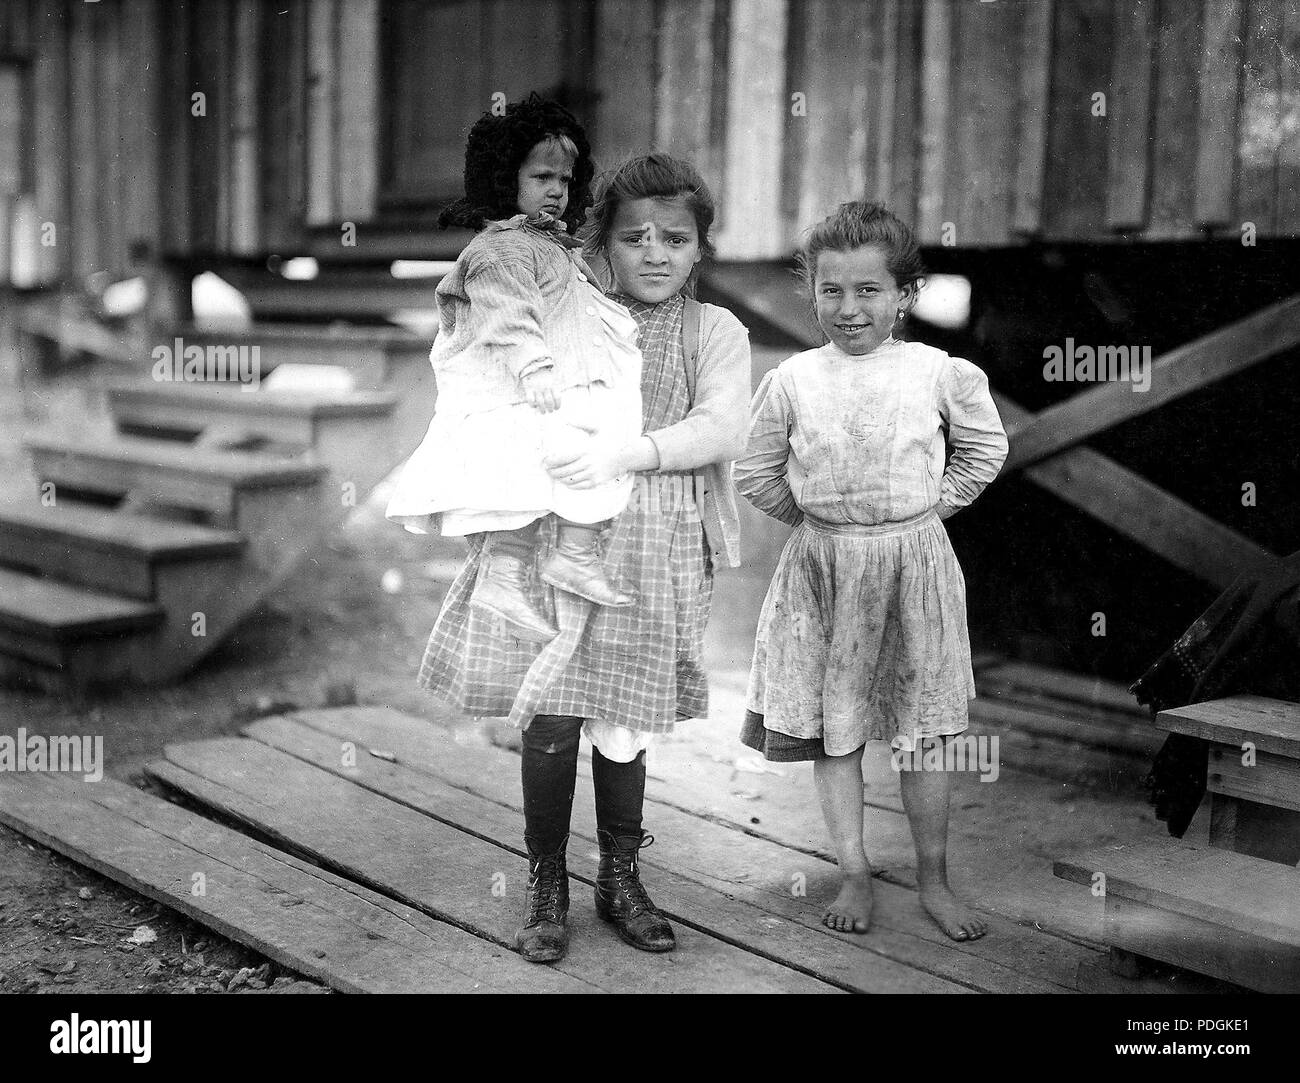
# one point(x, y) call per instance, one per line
point(936, 75)
point(141, 144)
point(1221, 353)
point(1216, 148)
point(683, 95)
point(751, 203)
point(82, 123)
point(903, 167)
point(1035, 80)
point(1133, 506)
point(1173, 147)
point(1288, 155)
point(1129, 179)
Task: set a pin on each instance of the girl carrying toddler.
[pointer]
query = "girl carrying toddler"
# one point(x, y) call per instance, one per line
point(863, 633)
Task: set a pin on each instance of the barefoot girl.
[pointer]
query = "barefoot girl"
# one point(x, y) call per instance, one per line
point(632, 672)
point(863, 632)
point(531, 360)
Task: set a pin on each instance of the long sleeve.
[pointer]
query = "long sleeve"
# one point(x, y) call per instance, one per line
point(714, 430)
point(506, 303)
point(760, 475)
point(977, 440)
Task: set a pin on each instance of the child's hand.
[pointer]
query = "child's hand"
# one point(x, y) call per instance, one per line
point(541, 391)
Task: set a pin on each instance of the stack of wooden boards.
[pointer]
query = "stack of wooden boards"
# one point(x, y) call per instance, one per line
point(145, 547)
point(376, 852)
point(1229, 910)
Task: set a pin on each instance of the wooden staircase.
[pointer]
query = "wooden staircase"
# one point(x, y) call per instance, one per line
point(1229, 910)
point(144, 549)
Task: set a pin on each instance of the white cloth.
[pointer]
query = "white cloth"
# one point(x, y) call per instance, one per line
point(617, 743)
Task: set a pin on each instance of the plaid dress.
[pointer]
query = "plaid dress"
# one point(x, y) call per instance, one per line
point(638, 666)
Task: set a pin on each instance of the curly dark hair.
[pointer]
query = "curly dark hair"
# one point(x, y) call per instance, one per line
point(495, 152)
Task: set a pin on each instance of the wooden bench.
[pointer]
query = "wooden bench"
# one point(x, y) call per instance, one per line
point(1223, 914)
point(1253, 778)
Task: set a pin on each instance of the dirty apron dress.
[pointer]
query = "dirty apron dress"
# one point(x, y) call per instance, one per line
point(639, 667)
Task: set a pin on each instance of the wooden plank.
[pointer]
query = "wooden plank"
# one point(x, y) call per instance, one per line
point(1220, 95)
point(322, 110)
point(142, 147)
point(985, 82)
point(624, 69)
point(300, 916)
point(359, 65)
point(1074, 185)
point(50, 134)
point(905, 136)
point(1203, 947)
point(177, 227)
point(737, 922)
point(1177, 89)
point(836, 86)
point(1270, 780)
point(880, 169)
point(83, 123)
point(1254, 829)
point(1135, 507)
point(209, 134)
point(1229, 890)
point(1129, 176)
point(1223, 352)
point(1035, 83)
point(282, 133)
point(106, 148)
point(1272, 725)
point(683, 92)
point(750, 204)
point(936, 76)
point(243, 87)
point(734, 862)
point(1261, 120)
point(370, 839)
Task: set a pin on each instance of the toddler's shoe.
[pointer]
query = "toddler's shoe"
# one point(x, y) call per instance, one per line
point(574, 565)
point(502, 590)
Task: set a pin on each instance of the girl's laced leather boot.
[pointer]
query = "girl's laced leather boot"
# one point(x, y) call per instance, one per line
point(544, 935)
point(621, 898)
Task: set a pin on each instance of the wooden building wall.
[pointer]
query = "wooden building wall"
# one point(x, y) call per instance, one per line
point(979, 121)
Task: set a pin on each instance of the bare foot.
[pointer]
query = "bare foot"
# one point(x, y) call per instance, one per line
point(952, 915)
point(851, 910)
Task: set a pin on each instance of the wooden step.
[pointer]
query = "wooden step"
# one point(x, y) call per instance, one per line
point(290, 417)
point(160, 471)
point(106, 549)
point(1271, 725)
point(60, 637)
point(372, 298)
point(1226, 915)
point(296, 913)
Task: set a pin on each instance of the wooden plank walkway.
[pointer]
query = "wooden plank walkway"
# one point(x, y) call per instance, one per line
point(302, 917)
point(411, 864)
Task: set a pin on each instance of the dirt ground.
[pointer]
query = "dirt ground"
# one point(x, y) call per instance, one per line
point(350, 626)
